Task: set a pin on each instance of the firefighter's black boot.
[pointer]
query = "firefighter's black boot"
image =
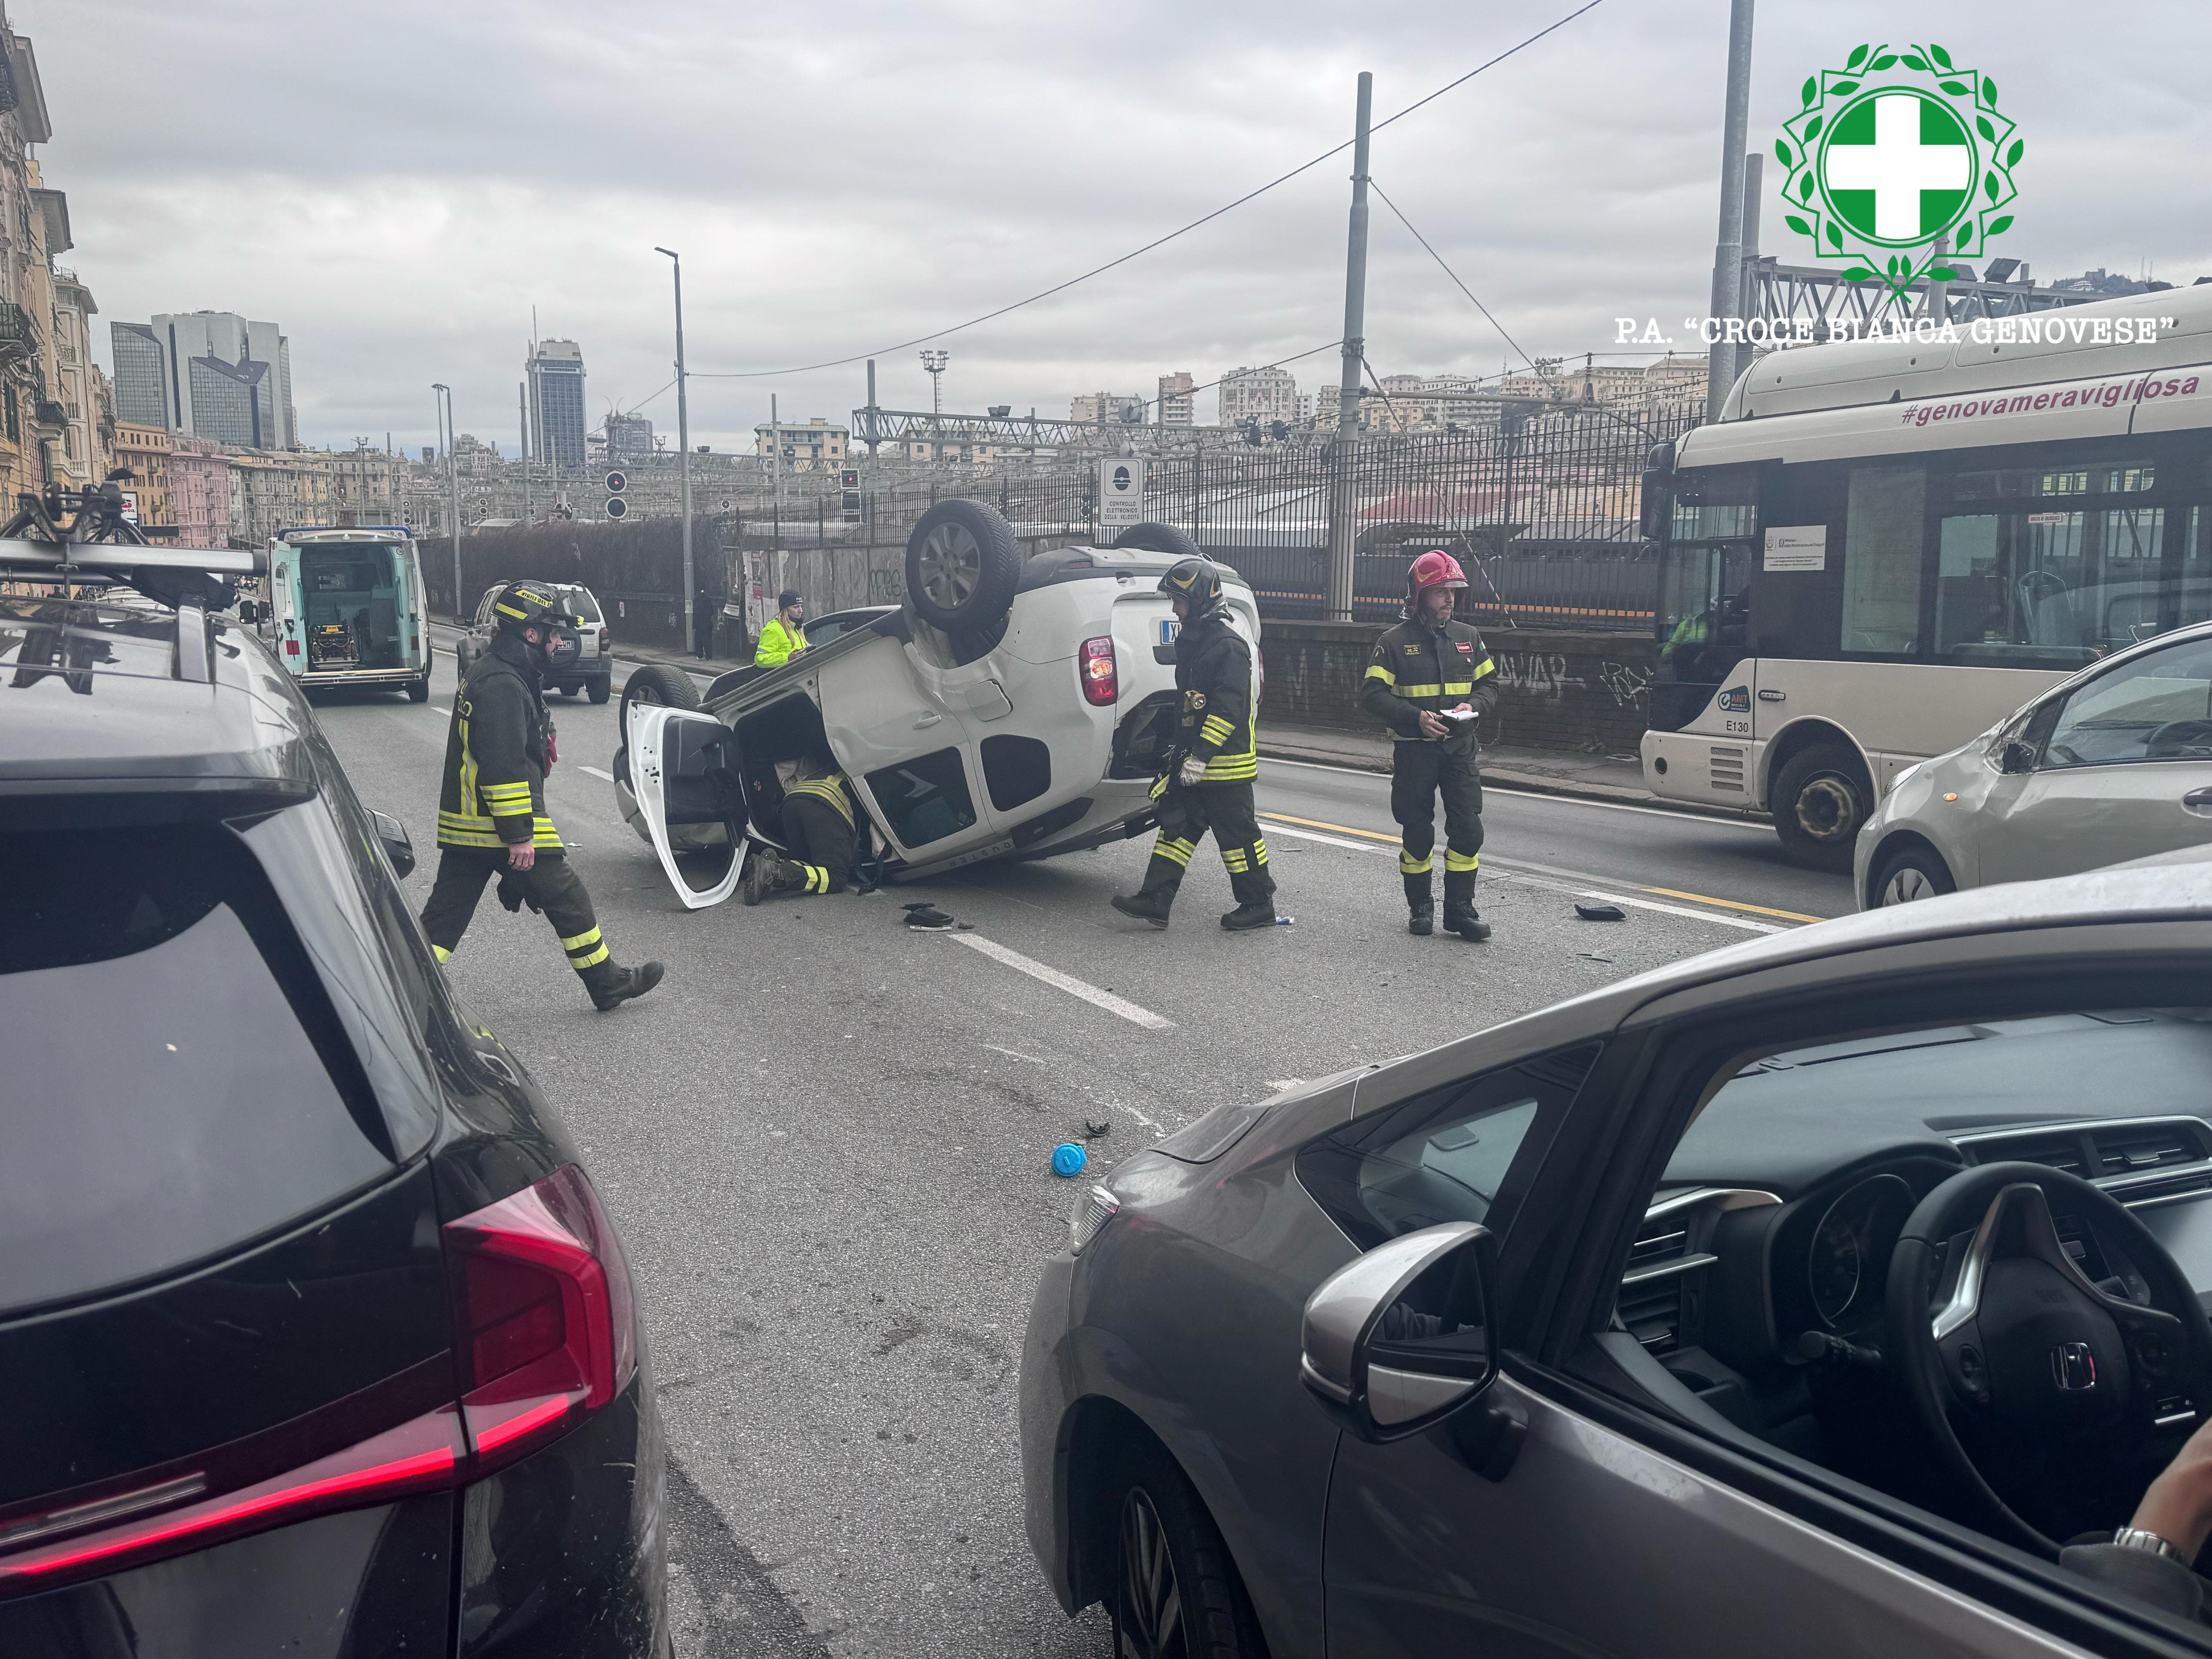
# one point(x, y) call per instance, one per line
point(1421, 904)
point(1260, 913)
point(611, 986)
point(1151, 901)
point(1460, 916)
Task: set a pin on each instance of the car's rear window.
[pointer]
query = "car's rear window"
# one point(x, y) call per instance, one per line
point(581, 602)
point(176, 1080)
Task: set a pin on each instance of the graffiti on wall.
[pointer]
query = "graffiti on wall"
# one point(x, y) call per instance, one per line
point(1549, 676)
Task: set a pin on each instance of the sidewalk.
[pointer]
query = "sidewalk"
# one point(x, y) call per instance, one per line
point(1568, 771)
point(1542, 771)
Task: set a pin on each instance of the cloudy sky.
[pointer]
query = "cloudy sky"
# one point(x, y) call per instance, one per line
point(398, 184)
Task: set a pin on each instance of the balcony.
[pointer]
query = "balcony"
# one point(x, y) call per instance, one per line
point(19, 334)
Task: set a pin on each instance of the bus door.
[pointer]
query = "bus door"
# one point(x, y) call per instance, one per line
point(1704, 617)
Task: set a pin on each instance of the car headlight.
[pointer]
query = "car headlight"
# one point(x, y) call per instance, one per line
point(1092, 1211)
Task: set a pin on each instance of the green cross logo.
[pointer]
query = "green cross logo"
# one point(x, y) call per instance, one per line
point(1890, 153)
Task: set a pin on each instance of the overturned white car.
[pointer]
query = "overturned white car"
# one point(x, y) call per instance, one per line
point(1012, 708)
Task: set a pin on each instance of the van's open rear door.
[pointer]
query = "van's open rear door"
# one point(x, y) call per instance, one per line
point(685, 774)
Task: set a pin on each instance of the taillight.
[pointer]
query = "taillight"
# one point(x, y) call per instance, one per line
point(602, 639)
point(546, 1324)
point(1102, 683)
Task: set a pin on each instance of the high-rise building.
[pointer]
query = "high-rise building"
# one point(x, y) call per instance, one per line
point(243, 369)
point(630, 437)
point(142, 385)
point(554, 372)
point(1258, 394)
point(1175, 407)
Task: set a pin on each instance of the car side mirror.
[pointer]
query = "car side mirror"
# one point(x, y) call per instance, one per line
point(397, 847)
point(1403, 1337)
point(2018, 757)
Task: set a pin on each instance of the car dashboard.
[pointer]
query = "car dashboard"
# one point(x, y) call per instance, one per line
point(1758, 1276)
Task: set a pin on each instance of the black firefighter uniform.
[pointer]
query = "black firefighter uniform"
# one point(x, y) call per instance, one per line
point(1213, 672)
point(1416, 669)
point(493, 797)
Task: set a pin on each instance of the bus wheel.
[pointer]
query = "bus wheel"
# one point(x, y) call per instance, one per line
point(1820, 799)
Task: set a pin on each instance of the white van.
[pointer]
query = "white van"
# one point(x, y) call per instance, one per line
point(345, 608)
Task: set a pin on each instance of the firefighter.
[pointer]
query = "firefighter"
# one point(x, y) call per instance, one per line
point(1430, 683)
point(491, 806)
point(783, 637)
point(1207, 784)
point(819, 831)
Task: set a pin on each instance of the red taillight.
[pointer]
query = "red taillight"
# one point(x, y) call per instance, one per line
point(546, 1322)
point(418, 1455)
point(602, 639)
point(1102, 683)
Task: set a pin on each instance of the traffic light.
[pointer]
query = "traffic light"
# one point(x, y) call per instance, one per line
point(616, 506)
point(849, 484)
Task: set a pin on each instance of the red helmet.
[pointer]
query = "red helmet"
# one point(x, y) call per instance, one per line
point(1435, 568)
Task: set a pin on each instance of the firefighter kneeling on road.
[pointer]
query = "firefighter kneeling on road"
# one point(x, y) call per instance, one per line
point(1430, 682)
point(819, 828)
point(491, 807)
point(1208, 782)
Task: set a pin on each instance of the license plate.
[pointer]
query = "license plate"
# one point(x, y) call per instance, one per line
point(1169, 628)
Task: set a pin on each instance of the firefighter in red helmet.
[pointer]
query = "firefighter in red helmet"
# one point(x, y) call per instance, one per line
point(1432, 682)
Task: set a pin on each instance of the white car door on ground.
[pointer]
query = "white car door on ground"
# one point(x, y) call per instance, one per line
point(2127, 772)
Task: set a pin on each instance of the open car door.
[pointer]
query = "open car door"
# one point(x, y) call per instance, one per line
point(686, 775)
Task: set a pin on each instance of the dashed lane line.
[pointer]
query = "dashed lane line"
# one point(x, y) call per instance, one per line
point(595, 772)
point(1067, 982)
point(1563, 881)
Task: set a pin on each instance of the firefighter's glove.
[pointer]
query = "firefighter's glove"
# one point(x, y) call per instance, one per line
point(1193, 771)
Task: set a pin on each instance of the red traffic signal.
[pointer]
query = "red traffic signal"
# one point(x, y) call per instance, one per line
point(616, 483)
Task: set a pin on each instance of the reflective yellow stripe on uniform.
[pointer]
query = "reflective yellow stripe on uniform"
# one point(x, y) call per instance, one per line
point(463, 829)
point(818, 878)
point(1420, 690)
point(468, 770)
point(1489, 667)
point(582, 941)
point(1232, 769)
point(1410, 866)
point(1375, 670)
point(1234, 858)
point(1260, 850)
point(1216, 730)
point(1458, 688)
point(1179, 851)
point(441, 953)
point(1456, 862)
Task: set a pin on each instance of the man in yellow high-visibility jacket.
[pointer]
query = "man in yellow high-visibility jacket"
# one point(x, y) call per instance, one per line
point(783, 638)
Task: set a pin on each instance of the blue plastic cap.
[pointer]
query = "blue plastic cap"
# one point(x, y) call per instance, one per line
point(1068, 1158)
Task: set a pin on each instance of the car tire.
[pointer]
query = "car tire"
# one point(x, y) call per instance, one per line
point(1821, 801)
point(962, 565)
point(1172, 1588)
point(418, 690)
point(1912, 872)
point(1159, 538)
point(602, 688)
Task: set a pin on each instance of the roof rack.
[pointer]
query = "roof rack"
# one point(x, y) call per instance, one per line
point(69, 535)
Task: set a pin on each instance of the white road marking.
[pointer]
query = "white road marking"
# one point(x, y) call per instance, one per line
point(1013, 1054)
point(1489, 788)
point(448, 713)
point(1571, 885)
point(1073, 986)
point(596, 772)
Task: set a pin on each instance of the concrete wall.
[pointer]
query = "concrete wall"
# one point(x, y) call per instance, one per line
point(1558, 689)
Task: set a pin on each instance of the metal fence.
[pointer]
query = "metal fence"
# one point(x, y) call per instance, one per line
point(1543, 512)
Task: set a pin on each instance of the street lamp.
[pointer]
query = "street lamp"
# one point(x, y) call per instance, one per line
point(453, 484)
point(933, 360)
point(684, 443)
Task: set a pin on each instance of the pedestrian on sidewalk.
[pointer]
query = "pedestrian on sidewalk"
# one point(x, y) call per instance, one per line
point(1430, 681)
point(783, 637)
point(491, 804)
point(1207, 784)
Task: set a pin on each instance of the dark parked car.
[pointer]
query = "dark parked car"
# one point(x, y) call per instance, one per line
point(314, 1338)
point(1803, 1298)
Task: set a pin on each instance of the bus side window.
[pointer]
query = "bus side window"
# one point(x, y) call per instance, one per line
point(1885, 545)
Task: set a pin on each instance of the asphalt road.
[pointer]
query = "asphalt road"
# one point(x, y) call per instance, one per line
point(825, 1137)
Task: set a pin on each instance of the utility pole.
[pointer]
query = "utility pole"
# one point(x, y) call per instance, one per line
point(684, 442)
point(453, 485)
point(775, 462)
point(932, 363)
point(1728, 253)
point(1343, 453)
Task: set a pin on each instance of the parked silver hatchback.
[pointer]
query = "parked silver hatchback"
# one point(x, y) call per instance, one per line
point(1803, 1298)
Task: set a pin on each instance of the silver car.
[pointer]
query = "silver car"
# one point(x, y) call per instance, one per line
point(2114, 764)
point(589, 668)
point(1803, 1298)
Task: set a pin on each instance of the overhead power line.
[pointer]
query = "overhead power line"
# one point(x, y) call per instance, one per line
point(1447, 271)
point(1157, 242)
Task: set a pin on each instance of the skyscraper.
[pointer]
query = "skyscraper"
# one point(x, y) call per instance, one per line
point(556, 376)
point(243, 369)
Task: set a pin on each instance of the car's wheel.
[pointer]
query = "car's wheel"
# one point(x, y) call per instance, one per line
point(418, 690)
point(601, 687)
point(1821, 798)
point(657, 682)
point(1911, 872)
point(1159, 538)
point(1175, 1593)
point(962, 565)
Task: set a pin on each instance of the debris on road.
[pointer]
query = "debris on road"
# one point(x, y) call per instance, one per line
point(1600, 911)
point(1097, 1130)
point(929, 918)
point(1068, 1159)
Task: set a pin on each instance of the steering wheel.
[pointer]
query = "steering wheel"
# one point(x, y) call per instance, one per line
point(2025, 1359)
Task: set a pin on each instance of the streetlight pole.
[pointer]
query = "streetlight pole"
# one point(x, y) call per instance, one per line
point(684, 441)
point(1721, 359)
point(453, 488)
point(1343, 453)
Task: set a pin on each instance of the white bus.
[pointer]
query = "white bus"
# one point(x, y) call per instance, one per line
point(1884, 546)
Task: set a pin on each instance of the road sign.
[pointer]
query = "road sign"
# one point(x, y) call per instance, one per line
point(130, 507)
point(1121, 491)
point(616, 483)
point(616, 506)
